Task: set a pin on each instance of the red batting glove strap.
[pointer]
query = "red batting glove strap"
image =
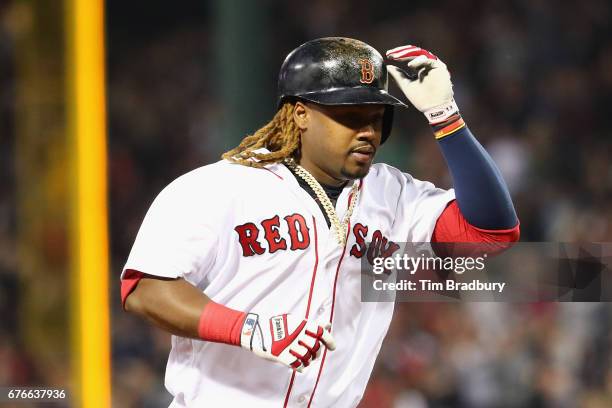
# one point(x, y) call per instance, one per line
point(220, 324)
point(409, 51)
point(281, 344)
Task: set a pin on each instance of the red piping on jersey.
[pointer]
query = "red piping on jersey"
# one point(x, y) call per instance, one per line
point(331, 317)
point(277, 175)
point(314, 270)
point(348, 230)
point(289, 389)
point(318, 376)
point(314, 275)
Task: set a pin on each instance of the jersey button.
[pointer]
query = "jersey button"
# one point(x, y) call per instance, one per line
point(301, 399)
point(321, 310)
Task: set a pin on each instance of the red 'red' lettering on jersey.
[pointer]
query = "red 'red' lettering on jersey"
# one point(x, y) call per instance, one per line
point(298, 231)
point(361, 232)
point(247, 236)
point(298, 235)
point(272, 235)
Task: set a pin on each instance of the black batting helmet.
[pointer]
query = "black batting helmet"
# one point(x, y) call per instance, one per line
point(337, 71)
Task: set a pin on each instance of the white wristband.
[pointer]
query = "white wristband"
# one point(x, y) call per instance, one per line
point(249, 326)
point(441, 112)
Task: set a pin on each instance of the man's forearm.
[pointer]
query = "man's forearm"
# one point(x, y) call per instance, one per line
point(173, 305)
point(482, 194)
point(180, 308)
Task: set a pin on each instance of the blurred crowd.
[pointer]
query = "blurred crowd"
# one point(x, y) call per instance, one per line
point(533, 79)
point(16, 364)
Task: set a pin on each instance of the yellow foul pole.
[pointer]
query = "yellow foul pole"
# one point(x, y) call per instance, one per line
point(86, 103)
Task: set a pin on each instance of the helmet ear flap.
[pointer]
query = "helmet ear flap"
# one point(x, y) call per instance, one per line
point(387, 123)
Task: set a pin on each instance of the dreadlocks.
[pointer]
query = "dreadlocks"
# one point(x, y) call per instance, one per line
point(280, 136)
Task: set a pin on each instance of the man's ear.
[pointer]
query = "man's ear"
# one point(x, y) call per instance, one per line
point(301, 115)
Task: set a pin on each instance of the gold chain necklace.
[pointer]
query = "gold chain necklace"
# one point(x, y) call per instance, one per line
point(339, 227)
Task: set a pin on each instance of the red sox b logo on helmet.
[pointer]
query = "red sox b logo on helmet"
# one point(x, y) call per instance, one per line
point(367, 71)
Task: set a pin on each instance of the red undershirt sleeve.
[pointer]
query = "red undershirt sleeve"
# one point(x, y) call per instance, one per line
point(128, 283)
point(453, 227)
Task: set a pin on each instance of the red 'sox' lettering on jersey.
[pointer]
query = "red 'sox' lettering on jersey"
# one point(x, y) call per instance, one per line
point(387, 248)
point(361, 232)
point(379, 247)
point(374, 249)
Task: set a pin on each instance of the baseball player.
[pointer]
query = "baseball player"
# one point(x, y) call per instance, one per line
point(253, 262)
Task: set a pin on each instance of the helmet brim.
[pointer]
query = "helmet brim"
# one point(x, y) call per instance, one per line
point(352, 96)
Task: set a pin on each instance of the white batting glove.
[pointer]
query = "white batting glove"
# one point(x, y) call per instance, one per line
point(427, 85)
point(286, 339)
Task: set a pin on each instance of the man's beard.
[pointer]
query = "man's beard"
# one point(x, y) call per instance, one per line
point(360, 172)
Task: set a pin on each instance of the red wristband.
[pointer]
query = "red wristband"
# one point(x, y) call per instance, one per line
point(220, 324)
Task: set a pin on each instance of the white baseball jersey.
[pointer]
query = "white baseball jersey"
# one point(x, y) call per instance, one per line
point(254, 240)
